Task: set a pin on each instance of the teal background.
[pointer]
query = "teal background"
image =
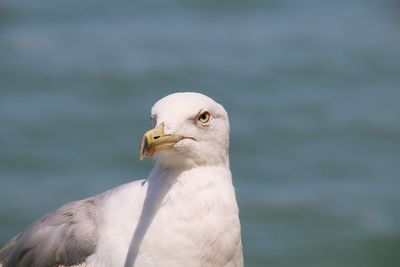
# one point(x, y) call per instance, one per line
point(312, 89)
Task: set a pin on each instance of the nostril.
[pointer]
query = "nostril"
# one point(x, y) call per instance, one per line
point(156, 137)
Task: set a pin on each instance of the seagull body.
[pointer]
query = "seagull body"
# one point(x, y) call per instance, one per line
point(184, 214)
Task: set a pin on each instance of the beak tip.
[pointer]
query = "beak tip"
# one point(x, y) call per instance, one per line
point(143, 148)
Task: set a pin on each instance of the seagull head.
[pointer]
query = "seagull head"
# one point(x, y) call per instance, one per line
point(190, 129)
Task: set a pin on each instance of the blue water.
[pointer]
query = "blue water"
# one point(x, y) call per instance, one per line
point(312, 89)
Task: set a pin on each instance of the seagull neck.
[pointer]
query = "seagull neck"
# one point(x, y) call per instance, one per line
point(170, 175)
point(168, 160)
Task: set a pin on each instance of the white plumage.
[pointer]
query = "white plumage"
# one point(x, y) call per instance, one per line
point(184, 214)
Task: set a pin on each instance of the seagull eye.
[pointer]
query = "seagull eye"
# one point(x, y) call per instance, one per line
point(204, 117)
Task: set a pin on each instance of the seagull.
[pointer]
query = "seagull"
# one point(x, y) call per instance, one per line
point(183, 214)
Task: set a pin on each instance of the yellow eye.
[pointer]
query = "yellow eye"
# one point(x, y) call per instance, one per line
point(204, 117)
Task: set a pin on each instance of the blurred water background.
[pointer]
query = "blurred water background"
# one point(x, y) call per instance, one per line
point(312, 89)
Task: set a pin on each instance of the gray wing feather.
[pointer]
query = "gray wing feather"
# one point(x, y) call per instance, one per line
point(66, 236)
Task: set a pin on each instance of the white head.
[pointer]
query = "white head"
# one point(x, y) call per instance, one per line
point(191, 129)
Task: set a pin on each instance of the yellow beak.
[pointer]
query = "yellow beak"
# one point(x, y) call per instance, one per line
point(155, 140)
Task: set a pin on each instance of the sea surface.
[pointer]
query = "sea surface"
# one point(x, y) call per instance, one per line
point(312, 89)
